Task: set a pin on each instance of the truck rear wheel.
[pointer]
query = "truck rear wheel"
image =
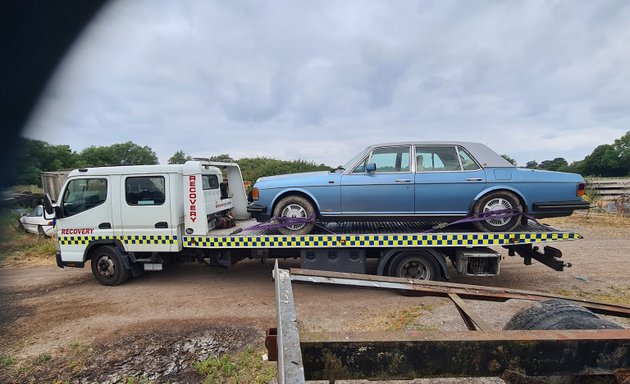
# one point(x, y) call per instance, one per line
point(108, 267)
point(293, 206)
point(416, 265)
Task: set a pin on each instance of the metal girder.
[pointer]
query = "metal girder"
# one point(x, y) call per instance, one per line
point(406, 355)
point(289, 355)
point(438, 288)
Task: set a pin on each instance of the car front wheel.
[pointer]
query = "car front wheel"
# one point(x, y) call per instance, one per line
point(498, 201)
point(295, 207)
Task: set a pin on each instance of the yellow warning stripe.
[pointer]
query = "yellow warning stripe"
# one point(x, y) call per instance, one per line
point(384, 240)
point(135, 239)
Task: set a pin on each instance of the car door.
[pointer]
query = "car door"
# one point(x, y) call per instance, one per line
point(145, 214)
point(447, 179)
point(388, 190)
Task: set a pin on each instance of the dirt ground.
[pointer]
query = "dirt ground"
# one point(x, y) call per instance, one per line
point(60, 324)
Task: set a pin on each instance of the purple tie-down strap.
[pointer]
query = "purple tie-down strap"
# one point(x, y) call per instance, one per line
point(282, 222)
point(498, 214)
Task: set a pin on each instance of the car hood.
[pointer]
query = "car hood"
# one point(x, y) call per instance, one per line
point(297, 179)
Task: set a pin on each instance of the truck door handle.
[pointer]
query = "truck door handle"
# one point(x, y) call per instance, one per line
point(474, 179)
point(105, 226)
point(161, 224)
point(402, 180)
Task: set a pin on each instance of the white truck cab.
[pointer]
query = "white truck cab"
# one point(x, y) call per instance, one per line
point(114, 215)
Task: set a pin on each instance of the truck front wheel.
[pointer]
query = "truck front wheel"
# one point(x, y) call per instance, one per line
point(108, 267)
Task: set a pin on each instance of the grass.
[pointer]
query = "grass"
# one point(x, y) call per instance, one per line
point(7, 361)
point(42, 359)
point(241, 368)
point(591, 220)
point(396, 320)
point(18, 246)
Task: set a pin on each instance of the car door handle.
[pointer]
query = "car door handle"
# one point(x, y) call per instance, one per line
point(161, 224)
point(402, 180)
point(474, 179)
point(105, 226)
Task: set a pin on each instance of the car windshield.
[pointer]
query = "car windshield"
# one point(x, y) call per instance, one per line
point(353, 160)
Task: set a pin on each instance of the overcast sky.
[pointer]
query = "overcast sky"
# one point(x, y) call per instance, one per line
point(320, 80)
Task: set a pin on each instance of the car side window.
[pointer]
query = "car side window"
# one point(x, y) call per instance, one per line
point(145, 190)
point(467, 161)
point(391, 159)
point(437, 159)
point(36, 212)
point(83, 194)
point(361, 167)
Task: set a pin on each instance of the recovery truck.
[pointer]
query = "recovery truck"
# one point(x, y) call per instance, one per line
point(129, 219)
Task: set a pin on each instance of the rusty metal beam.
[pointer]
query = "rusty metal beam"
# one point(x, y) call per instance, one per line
point(473, 322)
point(406, 355)
point(290, 365)
point(437, 288)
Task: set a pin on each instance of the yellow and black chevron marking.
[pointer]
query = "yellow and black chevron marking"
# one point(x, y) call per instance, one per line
point(383, 240)
point(136, 239)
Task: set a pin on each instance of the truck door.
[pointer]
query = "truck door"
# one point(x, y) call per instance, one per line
point(145, 213)
point(86, 215)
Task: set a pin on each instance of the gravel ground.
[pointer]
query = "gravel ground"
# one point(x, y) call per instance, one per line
point(61, 324)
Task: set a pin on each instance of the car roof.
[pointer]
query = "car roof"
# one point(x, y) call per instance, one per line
point(481, 152)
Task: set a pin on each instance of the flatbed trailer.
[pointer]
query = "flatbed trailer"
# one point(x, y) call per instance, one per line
point(131, 219)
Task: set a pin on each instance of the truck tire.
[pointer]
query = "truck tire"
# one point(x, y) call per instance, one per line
point(108, 267)
point(415, 265)
point(295, 206)
point(557, 314)
point(497, 200)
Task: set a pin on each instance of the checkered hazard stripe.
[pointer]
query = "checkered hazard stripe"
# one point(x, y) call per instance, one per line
point(138, 239)
point(384, 240)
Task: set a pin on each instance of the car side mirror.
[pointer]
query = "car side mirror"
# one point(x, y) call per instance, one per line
point(370, 167)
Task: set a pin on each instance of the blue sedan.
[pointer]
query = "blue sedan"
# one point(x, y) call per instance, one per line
point(416, 181)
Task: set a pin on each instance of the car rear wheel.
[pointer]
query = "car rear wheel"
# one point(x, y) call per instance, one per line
point(295, 207)
point(497, 201)
point(107, 266)
point(40, 231)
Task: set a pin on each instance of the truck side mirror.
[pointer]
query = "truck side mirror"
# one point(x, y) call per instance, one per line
point(370, 167)
point(50, 211)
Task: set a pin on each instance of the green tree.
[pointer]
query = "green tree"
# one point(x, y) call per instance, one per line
point(557, 164)
point(127, 153)
point(37, 156)
point(253, 168)
point(179, 157)
point(511, 160)
point(531, 164)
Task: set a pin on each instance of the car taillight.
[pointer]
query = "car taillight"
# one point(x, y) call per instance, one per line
point(581, 189)
point(50, 223)
point(255, 194)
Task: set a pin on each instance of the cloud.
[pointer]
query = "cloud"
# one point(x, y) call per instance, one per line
point(321, 80)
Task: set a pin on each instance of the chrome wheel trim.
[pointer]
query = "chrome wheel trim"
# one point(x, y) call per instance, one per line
point(497, 204)
point(294, 211)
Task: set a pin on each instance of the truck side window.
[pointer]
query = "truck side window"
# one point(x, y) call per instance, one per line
point(145, 190)
point(210, 182)
point(83, 194)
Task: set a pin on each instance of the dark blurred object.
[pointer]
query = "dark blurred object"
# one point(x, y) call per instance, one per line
point(34, 36)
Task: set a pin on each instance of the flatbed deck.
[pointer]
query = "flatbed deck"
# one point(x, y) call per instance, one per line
point(375, 234)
